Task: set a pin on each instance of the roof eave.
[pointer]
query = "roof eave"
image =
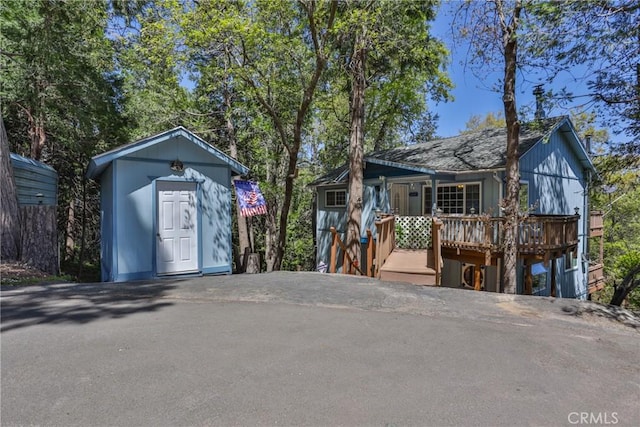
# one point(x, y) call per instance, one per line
point(100, 162)
point(413, 168)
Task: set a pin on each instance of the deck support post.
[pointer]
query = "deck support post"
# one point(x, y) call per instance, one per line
point(334, 250)
point(371, 251)
point(528, 278)
point(477, 278)
point(437, 249)
point(553, 277)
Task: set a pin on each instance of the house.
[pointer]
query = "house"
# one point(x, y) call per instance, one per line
point(165, 207)
point(461, 180)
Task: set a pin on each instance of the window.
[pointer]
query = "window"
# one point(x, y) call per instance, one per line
point(570, 262)
point(426, 198)
point(539, 275)
point(335, 198)
point(454, 199)
point(472, 199)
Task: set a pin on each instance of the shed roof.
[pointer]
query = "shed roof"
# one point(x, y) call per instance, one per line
point(26, 163)
point(100, 162)
point(482, 150)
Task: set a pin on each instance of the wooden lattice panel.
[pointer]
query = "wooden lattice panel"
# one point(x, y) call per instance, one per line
point(413, 232)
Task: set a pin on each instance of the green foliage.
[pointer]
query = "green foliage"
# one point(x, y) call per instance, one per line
point(626, 262)
point(150, 60)
point(266, 81)
point(601, 38)
point(615, 192)
point(585, 124)
point(621, 207)
point(490, 121)
point(404, 69)
point(61, 101)
point(300, 254)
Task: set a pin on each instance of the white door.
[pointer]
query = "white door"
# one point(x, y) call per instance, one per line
point(177, 234)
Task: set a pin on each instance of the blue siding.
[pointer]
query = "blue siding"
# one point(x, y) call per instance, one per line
point(36, 182)
point(373, 198)
point(215, 206)
point(107, 254)
point(555, 175)
point(134, 232)
point(325, 219)
point(558, 185)
point(379, 198)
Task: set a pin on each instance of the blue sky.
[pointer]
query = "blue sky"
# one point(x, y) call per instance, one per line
point(472, 94)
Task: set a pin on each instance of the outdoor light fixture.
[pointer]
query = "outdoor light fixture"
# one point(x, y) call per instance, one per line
point(40, 196)
point(577, 209)
point(177, 165)
point(460, 186)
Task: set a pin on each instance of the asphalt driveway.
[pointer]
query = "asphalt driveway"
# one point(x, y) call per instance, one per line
point(310, 349)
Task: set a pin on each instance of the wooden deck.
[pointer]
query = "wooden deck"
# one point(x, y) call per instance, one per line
point(472, 240)
point(409, 266)
point(539, 236)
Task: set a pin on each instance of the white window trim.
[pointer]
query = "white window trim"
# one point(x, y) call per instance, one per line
point(326, 202)
point(570, 264)
point(454, 184)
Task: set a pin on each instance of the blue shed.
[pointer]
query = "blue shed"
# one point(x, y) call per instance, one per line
point(165, 207)
point(36, 182)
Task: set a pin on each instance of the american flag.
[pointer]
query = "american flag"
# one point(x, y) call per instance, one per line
point(250, 199)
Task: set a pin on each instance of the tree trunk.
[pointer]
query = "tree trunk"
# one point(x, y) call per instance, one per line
point(271, 231)
point(356, 147)
point(243, 231)
point(629, 283)
point(83, 232)
point(510, 203)
point(10, 233)
point(286, 205)
point(276, 240)
point(40, 237)
point(70, 243)
point(37, 135)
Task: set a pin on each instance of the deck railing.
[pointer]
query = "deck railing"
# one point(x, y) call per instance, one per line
point(596, 224)
point(349, 265)
point(536, 233)
point(386, 232)
point(596, 277)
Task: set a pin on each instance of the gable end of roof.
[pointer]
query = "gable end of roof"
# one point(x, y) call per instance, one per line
point(99, 163)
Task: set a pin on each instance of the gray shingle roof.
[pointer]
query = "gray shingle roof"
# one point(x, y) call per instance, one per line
point(484, 149)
